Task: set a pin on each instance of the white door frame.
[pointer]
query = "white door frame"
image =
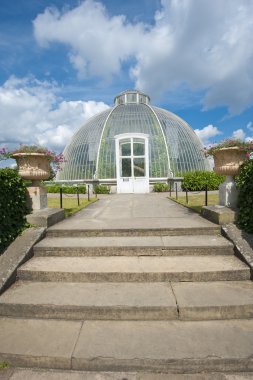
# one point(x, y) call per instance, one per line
point(132, 184)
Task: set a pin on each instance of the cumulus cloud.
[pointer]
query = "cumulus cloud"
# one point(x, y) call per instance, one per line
point(207, 133)
point(32, 113)
point(239, 134)
point(201, 44)
point(98, 43)
point(250, 126)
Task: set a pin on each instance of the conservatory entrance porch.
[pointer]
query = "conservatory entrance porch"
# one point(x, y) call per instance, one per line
point(132, 163)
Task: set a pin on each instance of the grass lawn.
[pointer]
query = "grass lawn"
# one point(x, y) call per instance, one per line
point(69, 204)
point(3, 365)
point(196, 201)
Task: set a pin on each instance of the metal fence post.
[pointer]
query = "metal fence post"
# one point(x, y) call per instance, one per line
point(176, 189)
point(186, 195)
point(60, 198)
point(88, 192)
point(206, 201)
point(77, 193)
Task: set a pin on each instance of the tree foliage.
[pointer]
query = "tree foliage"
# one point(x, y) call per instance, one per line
point(13, 207)
point(245, 202)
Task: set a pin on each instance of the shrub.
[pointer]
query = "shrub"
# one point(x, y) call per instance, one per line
point(12, 206)
point(101, 189)
point(160, 187)
point(245, 201)
point(66, 189)
point(198, 180)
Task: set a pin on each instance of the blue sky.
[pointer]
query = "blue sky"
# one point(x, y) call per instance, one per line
point(63, 61)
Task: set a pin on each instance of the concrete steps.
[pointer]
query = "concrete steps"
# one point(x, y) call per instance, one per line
point(42, 374)
point(129, 301)
point(211, 229)
point(134, 246)
point(169, 300)
point(135, 269)
point(163, 346)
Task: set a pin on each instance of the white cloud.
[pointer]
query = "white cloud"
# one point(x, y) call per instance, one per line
point(200, 44)
point(239, 134)
point(207, 133)
point(32, 113)
point(250, 126)
point(98, 43)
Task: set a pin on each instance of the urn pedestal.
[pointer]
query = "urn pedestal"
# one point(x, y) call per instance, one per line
point(227, 161)
point(34, 167)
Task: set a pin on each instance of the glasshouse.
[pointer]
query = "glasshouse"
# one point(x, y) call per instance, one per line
point(132, 145)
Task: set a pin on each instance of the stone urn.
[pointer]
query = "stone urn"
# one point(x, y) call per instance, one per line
point(227, 161)
point(34, 167)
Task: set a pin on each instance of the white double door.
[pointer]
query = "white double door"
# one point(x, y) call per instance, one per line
point(132, 163)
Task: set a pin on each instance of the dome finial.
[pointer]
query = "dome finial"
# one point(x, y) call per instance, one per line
point(131, 97)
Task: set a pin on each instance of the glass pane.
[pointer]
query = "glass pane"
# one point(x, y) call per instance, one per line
point(126, 167)
point(139, 167)
point(139, 149)
point(125, 149)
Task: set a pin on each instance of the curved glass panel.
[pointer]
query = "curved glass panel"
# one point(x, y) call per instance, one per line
point(184, 147)
point(133, 118)
point(81, 153)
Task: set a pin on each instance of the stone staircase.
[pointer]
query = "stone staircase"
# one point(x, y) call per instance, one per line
point(152, 300)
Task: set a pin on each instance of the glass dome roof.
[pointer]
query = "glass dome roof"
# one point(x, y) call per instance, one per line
point(174, 147)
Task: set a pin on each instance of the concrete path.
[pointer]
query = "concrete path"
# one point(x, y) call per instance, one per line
point(134, 211)
point(129, 287)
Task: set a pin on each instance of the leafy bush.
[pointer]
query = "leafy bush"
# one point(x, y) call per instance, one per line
point(101, 189)
point(198, 180)
point(245, 202)
point(12, 206)
point(160, 187)
point(66, 189)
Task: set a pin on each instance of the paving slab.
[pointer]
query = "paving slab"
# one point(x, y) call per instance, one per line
point(179, 346)
point(89, 300)
point(38, 343)
point(32, 374)
point(133, 211)
point(6, 373)
point(135, 269)
point(214, 300)
point(133, 245)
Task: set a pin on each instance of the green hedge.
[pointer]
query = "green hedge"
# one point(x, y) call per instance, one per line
point(245, 202)
point(101, 189)
point(13, 207)
point(160, 187)
point(198, 180)
point(66, 189)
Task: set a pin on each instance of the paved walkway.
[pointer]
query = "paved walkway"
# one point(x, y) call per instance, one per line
point(131, 211)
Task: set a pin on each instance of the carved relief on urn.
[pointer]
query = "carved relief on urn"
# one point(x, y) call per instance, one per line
point(227, 161)
point(33, 166)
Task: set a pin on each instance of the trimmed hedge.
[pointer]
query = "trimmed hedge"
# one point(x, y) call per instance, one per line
point(13, 207)
point(245, 201)
point(66, 189)
point(160, 187)
point(101, 189)
point(198, 180)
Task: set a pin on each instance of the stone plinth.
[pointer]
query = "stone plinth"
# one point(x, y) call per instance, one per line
point(218, 214)
point(36, 197)
point(46, 217)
